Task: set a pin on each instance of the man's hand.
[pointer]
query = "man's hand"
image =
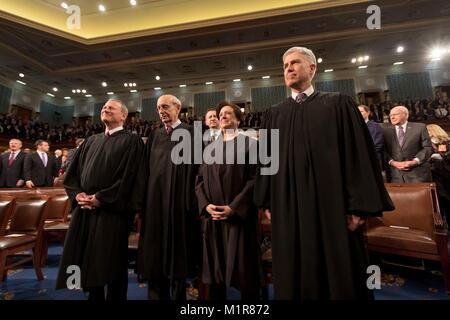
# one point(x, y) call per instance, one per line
point(20, 183)
point(410, 164)
point(219, 212)
point(30, 184)
point(87, 201)
point(354, 222)
point(402, 165)
point(268, 214)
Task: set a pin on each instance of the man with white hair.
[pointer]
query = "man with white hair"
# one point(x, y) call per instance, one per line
point(12, 166)
point(327, 184)
point(408, 148)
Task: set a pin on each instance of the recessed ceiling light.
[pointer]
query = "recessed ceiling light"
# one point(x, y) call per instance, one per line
point(51, 95)
point(130, 84)
point(64, 5)
point(125, 84)
point(237, 80)
point(74, 91)
point(78, 91)
point(400, 49)
point(398, 62)
point(328, 70)
point(158, 78)
point(133, 2)
point(101, 7)
point(83, 90)
point(88, 95)
point(209, 82)
point(362, 67)
point(104, 84)
point(266, 77)
point(353, 60)
point(157, 88)
point(21, 82)
point(110, 93)
point(55, 89)
point(249, 67)
point(319, 60)
point(67, 98)
point(366, 58)
point(182, 85)
point(435, 59)
point(21, 75)
point(134, 84)
point(134, 90)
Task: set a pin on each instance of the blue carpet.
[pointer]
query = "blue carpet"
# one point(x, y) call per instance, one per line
point(397, 284)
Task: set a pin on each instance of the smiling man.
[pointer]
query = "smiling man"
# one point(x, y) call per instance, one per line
point(327, 184)
point(100, 179)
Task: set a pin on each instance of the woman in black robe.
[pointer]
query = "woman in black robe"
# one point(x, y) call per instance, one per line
point(231, 252)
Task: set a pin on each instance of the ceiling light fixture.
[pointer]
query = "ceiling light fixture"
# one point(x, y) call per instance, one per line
point(158, 78)
point(67, 98)
point(21, 75)
point(64, 5)
point(400, 49)
point(182, 85)
point(21, 82)
point(209, 82)
point(319, 60)
point(133, 2)
point(237, 80)
point(362, 67)
point(398, 62)
point(110, 93)
point(51, 95)
point(328, 70)
point(249, 67)
point(101, 7)
point(265, 77)
point(104, 84)
point(157, 88)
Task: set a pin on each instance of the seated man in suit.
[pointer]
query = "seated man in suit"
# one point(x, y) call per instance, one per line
point(375, 132)
point(408, 148)
point(40, 167)
point(12, 166)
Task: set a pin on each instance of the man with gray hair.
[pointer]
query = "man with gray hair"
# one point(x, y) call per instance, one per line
point(170, 244)
point(408, 148)
point(100, 181)
point(327, 184)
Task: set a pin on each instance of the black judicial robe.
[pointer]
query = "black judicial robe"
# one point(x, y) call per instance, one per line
point(328, 169)
point(97, 240)
point(231, 251)
point(169, 244)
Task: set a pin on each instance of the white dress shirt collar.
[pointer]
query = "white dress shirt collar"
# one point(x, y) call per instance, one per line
point(113, 130)
point(308, 92)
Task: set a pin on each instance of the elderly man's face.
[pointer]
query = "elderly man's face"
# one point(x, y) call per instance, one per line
point(298, 70)
point(167, 110)
point(15, 145)
point(211, 120)
point(398, 116)
point(112, 113)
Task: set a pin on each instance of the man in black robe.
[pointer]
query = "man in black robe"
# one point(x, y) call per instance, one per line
point(168, 247)
point(327, 184)
point(101, 179)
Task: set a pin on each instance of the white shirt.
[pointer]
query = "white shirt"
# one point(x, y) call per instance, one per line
point(308, 92)
point(176, 124)
point(113, 130)
point(403, 126)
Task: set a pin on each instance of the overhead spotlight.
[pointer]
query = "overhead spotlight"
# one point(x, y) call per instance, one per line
point(437, 53)
point(104, 84)
point(55, 89)
point(360, 59)
point(398, 62)
point(249, 67)
point(84, 90)
point(133, 2)
point(209, 82)
point(101, 7)
point(353, 60)
point(237, 80)
point(242, 110)
point(88, 95)
point(134, 90)
point(67, 98)
point(78, 91)
point(182, 85)
point(125, 84)
point(21, 75)
point(158, 78)
point(51, 95)
point(134, 84)
point(400, 49)
point(265, 77)
point(74, 91)
point(64, 5)
point(366, 58)
point(130, 84)
point(110, 93)
point(319, 60)
point(157, 88)
point(21, 82)
point(328, 70)
point(362, 67)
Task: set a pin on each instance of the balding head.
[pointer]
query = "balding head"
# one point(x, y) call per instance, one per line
point(168, 107)
point(399, 115)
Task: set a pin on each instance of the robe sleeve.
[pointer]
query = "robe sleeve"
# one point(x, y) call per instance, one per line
point(202, 199)
point(242, 203)
point(364, 187)
point(262, 187)
point(71, 180)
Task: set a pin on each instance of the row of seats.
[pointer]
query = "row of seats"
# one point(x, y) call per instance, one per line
point(28, 220)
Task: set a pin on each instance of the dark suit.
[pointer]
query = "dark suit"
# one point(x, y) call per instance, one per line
point(378, 140)
point(11, 174)
point(416, 144)
point(35, 171)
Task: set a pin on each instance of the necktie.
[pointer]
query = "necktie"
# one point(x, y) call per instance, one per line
point(401, 135)
point(107, 134)
point(301, 97)
point(11, 159)
point(169, 130)
point(44, 159)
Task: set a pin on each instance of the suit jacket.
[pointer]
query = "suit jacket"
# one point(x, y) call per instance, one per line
point(416, 144)
point(378, 140)
point(35, 171)
point(11, 174)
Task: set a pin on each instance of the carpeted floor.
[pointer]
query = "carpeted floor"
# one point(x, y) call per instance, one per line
point(398, 283)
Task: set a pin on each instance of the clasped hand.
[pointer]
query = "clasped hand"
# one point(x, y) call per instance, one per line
point(87, 201)
point(219, 212)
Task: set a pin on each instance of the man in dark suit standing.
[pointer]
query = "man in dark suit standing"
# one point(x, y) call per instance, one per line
point(40, 167)
point(12, 166)
point(408, 148)
point(375, 132)
point(212, 122)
